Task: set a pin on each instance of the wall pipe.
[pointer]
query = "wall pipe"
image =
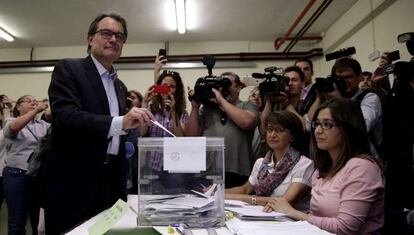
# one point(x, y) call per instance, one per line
point(308, 24)
point(243, 56)
point(278, 44)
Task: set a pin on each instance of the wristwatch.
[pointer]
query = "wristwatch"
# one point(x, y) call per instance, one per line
point(254, 202)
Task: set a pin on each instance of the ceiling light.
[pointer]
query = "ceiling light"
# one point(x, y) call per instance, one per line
point(180, 13)
point(6, 36)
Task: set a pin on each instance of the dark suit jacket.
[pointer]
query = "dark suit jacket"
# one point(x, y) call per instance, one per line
point(305, 104)
point(77, 184)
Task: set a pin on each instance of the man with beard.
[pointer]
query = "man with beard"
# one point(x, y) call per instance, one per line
point(231, 118)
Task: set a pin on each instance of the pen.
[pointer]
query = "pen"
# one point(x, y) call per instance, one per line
point(162, 127)
point(203, 186)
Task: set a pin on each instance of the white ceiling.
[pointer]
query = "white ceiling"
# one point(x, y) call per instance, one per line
point(44, 23)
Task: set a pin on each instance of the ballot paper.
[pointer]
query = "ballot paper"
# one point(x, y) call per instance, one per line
point(255, 213)
point(240, 227)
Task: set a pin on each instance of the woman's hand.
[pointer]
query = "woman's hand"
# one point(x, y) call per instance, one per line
point(279, 204)
point(170, 103)
point(7, 102)
point(159, 62)
point(148, 96)
point(42, 106)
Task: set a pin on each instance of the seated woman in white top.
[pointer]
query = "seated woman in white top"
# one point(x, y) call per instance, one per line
point(283, 172)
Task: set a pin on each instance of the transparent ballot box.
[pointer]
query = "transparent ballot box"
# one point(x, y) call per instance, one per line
point(181, 181)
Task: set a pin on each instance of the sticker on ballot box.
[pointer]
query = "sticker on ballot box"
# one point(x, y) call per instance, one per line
point(185, 154)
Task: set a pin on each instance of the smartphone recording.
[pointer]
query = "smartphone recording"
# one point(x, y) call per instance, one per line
point(162, 89)
point(162, 52)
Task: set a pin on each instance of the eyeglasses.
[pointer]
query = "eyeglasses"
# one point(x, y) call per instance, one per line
point(29, 101)
point(107, 35)
point(280, 130)
point(324, 125)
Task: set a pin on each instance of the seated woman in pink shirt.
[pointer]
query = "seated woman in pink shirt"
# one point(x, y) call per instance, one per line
point(348, 184)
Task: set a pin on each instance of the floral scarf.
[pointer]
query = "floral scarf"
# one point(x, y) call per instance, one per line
point(267, 182)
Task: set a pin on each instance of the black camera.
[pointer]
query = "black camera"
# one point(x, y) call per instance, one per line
point(326, 85)
point(404, 70)
point(340, 53)
point(203, 86)
point(389, 69)
point(274, 84)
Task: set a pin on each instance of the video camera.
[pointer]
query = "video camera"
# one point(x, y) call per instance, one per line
point(389, 69)
point(404, 70)
point(274, 83)
point(203, 86)
point(326, 85)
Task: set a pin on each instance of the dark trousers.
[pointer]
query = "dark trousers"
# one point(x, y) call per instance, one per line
point(62, 217)
point(17, 189)
point(233, 179)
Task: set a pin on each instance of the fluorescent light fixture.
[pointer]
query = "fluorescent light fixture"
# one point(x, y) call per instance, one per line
point(191, 14)
point(180, 13)
point(170, 18)
point(6, 36)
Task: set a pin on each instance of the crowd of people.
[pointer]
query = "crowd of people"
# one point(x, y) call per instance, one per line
point(337, 152)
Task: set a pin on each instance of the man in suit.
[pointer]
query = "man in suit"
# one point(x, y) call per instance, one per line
point(85, 169)
point(308, 94)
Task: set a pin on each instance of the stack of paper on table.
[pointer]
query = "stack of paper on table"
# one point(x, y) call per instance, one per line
point(237, 226)
point(256, 213)
point(183, 206)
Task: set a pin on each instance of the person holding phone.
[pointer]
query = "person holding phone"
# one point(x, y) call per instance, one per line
point(166, 100)
point(160, 60)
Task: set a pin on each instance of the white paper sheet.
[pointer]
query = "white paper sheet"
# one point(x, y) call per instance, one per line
point(185, 154)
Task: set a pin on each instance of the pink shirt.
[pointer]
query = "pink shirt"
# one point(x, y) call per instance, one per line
point(352, 202)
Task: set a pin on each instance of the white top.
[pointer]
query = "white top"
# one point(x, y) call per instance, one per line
point(301, 173)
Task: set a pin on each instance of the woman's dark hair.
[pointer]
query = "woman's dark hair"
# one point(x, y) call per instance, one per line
point(180, 104)
point(94, 25)
point(291, 122)
point(348, 117)
point(16, 112)
point(137, 93)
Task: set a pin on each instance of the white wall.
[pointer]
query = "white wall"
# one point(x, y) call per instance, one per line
point(16, 85)
point(394, 20)
point(397, 18)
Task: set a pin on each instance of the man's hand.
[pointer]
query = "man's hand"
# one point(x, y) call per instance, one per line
point(219, 97)
point(137, 117)
point(194, 103)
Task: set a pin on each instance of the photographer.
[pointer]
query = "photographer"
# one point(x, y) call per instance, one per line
point(347, 72)
point(398, 142)
point(232, 119)
point(288, 100)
